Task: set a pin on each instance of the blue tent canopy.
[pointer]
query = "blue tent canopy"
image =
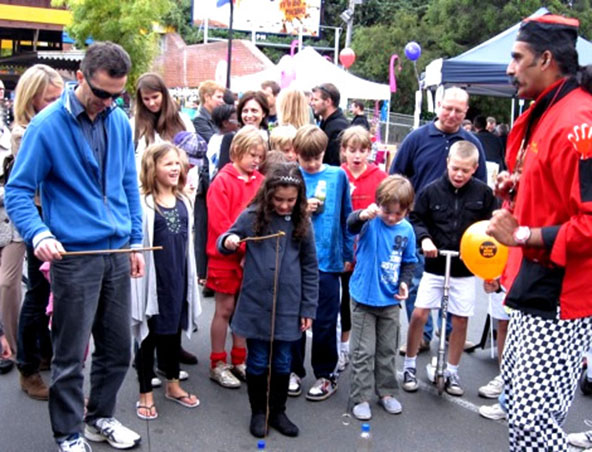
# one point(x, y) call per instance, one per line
point(482, 69)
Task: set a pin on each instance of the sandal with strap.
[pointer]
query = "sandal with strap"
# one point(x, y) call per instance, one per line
point(180, 400)
point(149, 409)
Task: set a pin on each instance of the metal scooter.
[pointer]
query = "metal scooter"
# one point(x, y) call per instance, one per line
point(435, 369)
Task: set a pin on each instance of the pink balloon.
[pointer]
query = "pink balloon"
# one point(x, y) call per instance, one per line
point(347, 57)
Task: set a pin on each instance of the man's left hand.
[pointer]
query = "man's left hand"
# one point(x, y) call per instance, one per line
point(502, 226)
point(137, 265)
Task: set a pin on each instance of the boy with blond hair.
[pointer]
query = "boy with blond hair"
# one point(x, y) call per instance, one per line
point(327, 190)
point(281, 139)
point(385, 258)
point(444, 209)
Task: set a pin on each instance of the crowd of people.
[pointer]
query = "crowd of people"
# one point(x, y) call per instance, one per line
point(272, 204)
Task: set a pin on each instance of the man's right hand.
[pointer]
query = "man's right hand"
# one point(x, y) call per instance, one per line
point(49, 249)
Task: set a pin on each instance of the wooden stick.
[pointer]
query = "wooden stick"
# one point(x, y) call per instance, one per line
point(262, 237)
point(121, 250)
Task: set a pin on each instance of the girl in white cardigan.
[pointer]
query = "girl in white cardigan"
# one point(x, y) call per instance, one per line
point(166, 300)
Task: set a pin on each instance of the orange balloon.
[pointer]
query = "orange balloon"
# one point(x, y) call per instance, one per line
point(483, 255)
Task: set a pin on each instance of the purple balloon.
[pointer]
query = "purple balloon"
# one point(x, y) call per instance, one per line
point(412, 50)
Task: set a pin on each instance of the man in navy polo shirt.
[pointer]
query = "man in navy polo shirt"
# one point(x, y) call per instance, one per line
point(422, 158)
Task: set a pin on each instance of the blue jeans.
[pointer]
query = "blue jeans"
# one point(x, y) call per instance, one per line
point(258, 357)
point(91, 295)
point(324, 331)
point(34, 340)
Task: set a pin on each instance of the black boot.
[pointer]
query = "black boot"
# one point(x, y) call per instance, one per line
point(277, 405)
point(257, 389)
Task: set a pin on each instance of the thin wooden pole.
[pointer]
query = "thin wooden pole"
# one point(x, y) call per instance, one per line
point(121, 250)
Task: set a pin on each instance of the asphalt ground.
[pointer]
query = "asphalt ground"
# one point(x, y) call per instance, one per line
point(429, 422)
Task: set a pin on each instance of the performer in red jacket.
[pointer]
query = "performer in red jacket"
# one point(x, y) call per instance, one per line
point(549, 153)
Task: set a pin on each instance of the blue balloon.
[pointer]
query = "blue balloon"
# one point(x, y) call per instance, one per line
point(412, 50)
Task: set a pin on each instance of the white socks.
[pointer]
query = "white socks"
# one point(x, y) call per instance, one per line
point(409, 362)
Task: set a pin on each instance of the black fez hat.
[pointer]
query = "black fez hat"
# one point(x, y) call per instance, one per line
point(547, 29)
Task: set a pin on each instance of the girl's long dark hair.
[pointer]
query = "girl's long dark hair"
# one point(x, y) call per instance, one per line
point(281, 175)
point(167, 122)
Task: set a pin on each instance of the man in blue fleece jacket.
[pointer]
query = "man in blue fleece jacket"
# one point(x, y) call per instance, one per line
point(78, 153)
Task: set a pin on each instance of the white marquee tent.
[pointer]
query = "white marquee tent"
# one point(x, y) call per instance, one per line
point(312, 69)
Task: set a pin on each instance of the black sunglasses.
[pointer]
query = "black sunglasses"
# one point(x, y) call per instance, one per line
point(100, 93)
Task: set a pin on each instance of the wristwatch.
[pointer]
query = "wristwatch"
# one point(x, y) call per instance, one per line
point(522, 234)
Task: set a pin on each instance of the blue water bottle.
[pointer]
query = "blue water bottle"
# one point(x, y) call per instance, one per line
point(365, 439)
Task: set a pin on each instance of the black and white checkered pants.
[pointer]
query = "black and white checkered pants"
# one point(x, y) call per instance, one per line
point(540, 368)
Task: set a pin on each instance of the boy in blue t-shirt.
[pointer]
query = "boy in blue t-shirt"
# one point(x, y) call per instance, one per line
point(329, 203)
point(385, 258)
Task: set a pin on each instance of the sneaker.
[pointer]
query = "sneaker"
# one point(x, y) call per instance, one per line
point(583, 439)
point(239, 371)
point(295, 387)
point(362, 411)
point(322, 389)
point(110, 429)
point(494, 412)
point(183, 375)
point(343, 361)
point(156, 382)
point(424, 346)
point(585, 384)
point(410, 383)
point(391, 405)
point(221, 374)
point(34, 386)
point(74, 443)
point(493, 389)
point(452, 385)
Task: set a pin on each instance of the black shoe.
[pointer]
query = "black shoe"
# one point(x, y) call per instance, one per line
point(282, 424)
point(257, 426)
point(585, 384)
point(6, 366)
point(187, 358)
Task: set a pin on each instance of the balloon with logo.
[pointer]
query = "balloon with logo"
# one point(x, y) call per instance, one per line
point(347, 57)
point(483, 255)
point(412, 51)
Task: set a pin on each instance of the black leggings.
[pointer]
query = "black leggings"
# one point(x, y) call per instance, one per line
point(168, 348)
point(345, 303)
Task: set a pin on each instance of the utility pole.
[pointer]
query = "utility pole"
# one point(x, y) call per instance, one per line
point(349, 12)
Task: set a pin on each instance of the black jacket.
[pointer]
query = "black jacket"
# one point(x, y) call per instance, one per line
point(443, 213)
point(493, 147)
point(361, 120)
point(333, 126)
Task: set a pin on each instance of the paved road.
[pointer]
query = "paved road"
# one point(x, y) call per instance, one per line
point(428, 422)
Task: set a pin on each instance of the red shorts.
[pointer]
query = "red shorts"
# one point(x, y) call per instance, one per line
point(226, 281)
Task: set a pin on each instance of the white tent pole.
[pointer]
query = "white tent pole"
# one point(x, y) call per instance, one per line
point(512, 112)
point(206, 31)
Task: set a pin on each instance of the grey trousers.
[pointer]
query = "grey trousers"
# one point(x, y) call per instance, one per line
point(374, 345)
point(91, 295)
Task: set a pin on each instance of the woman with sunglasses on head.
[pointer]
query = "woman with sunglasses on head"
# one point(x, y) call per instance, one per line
point(252, 110)
point(157, 118)
point(39, 86)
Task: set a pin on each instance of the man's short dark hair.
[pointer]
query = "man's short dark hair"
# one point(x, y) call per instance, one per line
point(106, 56)
point(480, 123)
point(328, 91)
point(359, 104)
point(275, 87)
point(229, 97)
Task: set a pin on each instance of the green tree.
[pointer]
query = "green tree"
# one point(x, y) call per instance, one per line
point(129, 23)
